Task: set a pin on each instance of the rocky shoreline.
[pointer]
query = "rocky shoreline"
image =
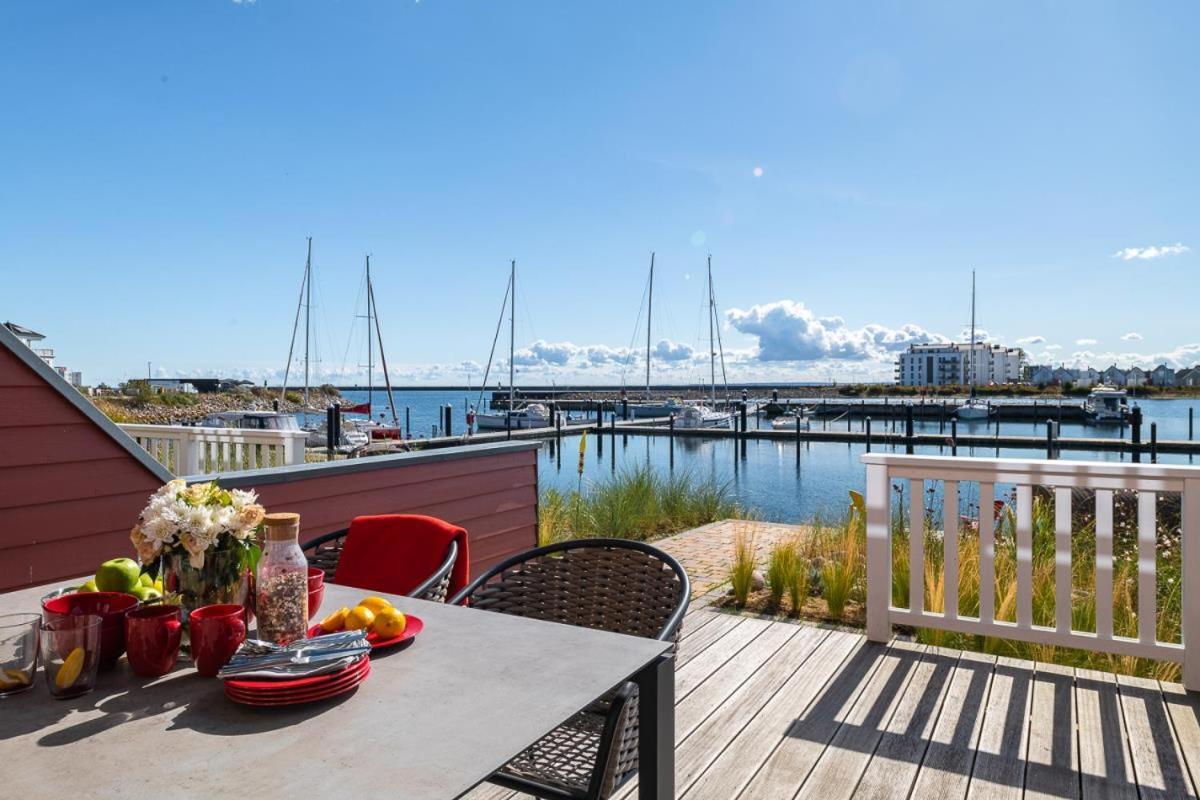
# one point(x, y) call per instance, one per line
point(176, 409)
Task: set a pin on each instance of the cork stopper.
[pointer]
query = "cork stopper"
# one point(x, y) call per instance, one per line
point(282, 526)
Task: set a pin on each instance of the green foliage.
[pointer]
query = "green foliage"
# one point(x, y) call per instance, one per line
point(637, 503)
point(741, 567)
point(782, 565)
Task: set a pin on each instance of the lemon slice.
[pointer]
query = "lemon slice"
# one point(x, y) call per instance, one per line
point(68, 673)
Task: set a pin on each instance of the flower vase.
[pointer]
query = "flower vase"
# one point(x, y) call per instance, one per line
point(224, 578)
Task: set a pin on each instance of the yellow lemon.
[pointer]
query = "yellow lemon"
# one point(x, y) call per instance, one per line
point(17, 675)
point(376, 604)
point(335, 621)
point(359, 619)
point(389, 622)
point(68, 673)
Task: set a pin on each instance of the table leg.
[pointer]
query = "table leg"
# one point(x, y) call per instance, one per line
point(656, 722)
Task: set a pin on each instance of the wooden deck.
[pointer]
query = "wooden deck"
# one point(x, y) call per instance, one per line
point(779, 710)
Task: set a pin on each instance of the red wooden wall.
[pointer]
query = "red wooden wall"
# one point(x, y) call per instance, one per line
point(490, 490)
point(69, 493)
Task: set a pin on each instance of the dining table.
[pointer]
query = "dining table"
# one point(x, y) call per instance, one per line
point(436, 717)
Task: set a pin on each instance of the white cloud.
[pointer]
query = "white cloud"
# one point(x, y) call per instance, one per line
point(789, 331)
point(1132, 337)
point(1028, 340)
point(1148, 253)
point(545, 353)
point(666, 350)
point(1054, 347)
point(1086, 342)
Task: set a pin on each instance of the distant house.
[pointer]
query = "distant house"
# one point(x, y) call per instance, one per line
point(1162, 375)
point(1041, 375)
point(1188, 377)
point(1086, 377)
point(1063, 376)
point(1114, 376)
point(1136, 376)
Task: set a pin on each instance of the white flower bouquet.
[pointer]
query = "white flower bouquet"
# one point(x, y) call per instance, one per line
point(197, 520)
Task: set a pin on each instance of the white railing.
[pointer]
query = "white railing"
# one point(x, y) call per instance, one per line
point(187, 450)
point(1061, 477)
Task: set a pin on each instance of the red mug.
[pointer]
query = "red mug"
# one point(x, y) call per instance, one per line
point(152, 637)
point(216, 632)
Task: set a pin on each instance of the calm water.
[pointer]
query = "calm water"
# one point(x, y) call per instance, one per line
point(767, 477)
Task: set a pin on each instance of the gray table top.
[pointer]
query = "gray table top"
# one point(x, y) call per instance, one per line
point(432, 720)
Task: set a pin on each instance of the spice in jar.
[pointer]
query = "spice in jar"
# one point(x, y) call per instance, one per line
point(281, 591)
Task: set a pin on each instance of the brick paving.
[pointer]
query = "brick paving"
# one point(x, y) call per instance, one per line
point(705, 552)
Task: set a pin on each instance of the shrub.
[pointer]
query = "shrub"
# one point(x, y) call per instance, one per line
point(741, 569)
point(782, 566)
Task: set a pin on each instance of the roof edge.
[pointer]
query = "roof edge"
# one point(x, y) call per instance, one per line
point(72, 395)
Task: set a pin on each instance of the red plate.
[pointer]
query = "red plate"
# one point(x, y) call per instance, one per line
point(414, 626)
point(270, 685)
point(340, 679)
point(301, 697)
point(350, 680)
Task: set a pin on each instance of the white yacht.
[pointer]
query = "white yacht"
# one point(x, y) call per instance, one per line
point(1105, 404)
point(791, 422)
point(252, 420)
point(534, 415)
point(701, 416)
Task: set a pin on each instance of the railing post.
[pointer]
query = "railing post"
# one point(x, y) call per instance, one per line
point(879, 554)
point(188, 448)
point(1191, 583)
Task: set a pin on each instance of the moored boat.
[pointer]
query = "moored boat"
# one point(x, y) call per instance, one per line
point(791, 422)
point(1105, 404)
point(701, 416)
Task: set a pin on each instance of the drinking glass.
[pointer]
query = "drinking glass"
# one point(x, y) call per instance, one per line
point(18, 652)
point(71, 654)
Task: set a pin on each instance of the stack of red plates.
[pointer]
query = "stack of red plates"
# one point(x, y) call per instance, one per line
point(268, 692)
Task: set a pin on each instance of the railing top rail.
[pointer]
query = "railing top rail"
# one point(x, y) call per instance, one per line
point(1046, 469)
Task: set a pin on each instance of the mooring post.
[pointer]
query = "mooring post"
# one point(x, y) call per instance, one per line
point(867, 430)
point(1135, 433)
point(1191, 422)
point(908, 429)
point(743, 413)
point(449, 427)
point(599, 416)
point(557, 424)
point(942, 417)
point(1153, 442)
point(954, 436)
point(774, 395)
point(330, 442)
point(407, 425)
point(1049, 438)
point(624, 408)
point(508, 424)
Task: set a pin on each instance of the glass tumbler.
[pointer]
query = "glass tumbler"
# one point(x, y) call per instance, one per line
point(71, 654)
point(18, 652)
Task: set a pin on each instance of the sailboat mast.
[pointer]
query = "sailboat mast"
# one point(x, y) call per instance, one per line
point(512, 331)
point(712, 353)
point(971, 350)
point(307, 315)
point(370, 313)
point(287, 369)
point(649, 313)
point(387, 380)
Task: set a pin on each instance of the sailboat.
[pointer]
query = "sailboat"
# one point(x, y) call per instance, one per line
point(699, 415)
point(533, 415)
point(974, 408)
point(375, 430)
point(649, 408)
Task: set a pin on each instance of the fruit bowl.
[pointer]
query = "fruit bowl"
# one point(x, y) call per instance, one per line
point(377, 642)
point(109, 606)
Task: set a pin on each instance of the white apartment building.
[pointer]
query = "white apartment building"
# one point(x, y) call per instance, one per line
point(953, 364)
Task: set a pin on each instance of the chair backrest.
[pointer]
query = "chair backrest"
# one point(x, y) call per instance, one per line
point(396, 553)
point(607, 584)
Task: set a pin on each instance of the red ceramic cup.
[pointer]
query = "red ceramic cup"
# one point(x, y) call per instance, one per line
point(216, 632)
point(315, 596)
point(109, 606)
point(152, 637)
point(316, 578)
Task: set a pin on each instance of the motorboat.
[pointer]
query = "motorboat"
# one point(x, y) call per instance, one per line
point(974, 408)
point(252, 421)
point(1105, 404)
point(534, 415)
point(791, 422)
point(701, 416)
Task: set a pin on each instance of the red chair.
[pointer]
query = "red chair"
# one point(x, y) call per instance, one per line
point(406, 554)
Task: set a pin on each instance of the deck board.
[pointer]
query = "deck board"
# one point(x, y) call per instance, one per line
point(778, 709)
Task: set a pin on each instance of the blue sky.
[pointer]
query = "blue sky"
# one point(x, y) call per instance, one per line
point(845, 164)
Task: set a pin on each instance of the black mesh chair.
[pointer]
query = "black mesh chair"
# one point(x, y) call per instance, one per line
point(326, 551)
point(607, 584)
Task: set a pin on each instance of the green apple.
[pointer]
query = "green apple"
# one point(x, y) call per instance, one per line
point(118, 575)
point(145, 593)
point(146, 579)
point(90, 586)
